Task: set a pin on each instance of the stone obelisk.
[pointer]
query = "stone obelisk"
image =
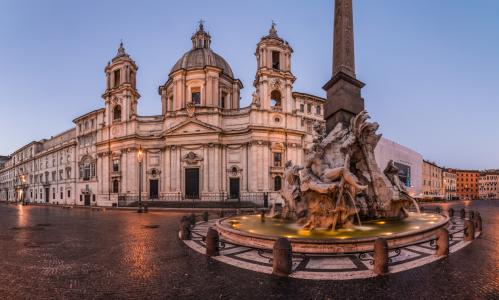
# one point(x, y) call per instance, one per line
point(343, 89)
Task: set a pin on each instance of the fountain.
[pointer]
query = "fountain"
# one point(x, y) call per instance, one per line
point(341, 202)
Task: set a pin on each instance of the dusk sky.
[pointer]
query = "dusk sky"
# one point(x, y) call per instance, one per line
point(431, 67)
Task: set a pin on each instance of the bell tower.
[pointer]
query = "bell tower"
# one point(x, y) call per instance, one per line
point(273, 79)
point(121, 93)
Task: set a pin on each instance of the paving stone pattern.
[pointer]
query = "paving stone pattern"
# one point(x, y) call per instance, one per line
point(84, 254)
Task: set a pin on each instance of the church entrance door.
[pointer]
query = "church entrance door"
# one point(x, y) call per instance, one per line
point(87, 199)
point(234, 188)
point(47, 194)
point(153, 189)
point(192, 183)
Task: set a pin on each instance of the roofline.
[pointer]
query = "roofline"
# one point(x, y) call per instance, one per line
point(308, 95)
point(88, 114)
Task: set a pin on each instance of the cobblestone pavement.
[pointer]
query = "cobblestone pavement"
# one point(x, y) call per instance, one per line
point(50, 252)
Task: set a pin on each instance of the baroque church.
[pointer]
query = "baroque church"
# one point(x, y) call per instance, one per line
point(203, 145)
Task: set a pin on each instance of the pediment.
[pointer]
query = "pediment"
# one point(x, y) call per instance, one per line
point(191, 126)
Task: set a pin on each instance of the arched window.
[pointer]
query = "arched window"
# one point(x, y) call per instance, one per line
point(275, 98)
point(115, 186)
point(117, 113)
point(117, 77)
point(86, 169)
point(275, 60)
point(277, 183)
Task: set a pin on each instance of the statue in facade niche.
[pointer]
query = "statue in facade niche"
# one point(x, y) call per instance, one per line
point(341, 180)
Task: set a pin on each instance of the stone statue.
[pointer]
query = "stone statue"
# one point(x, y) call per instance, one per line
point(391, 172)
point(344, 184)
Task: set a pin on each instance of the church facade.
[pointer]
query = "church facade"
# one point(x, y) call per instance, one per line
point(202, 146)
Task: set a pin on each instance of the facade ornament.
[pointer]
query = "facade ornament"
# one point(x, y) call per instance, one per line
point(191, 108)
point(276, 84)
point(191, 158)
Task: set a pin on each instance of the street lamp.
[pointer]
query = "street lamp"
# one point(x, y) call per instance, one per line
point(23, 186)
point(139, 209)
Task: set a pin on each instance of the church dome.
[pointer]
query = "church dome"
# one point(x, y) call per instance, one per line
point(199, 58)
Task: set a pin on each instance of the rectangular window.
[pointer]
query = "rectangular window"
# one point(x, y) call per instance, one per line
point(80, 127)
point(318, 110)
point(80, 143)
point(309, 107)
point(196, 98)
point(68, 174)
point(302, 107)
point(69, 158)
point(81, 171)
point(93, 170)
point(115, 186)
point(87, 141)
point(53, 176)
point(60, 175)
point(69, 193)
point(309, 127)
point(116, 165)
point(277, 159)
point(93, 139)
point(62, 195)
point(92, 123)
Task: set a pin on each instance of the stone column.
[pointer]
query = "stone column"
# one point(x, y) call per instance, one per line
point(260, 165)
point(254, 168)
point(203, 96)
point(269, 59)
point(215, 100)
point(108, 81)
point(168, 168)
point(179, 168)
point(189, 94)
point(289, 98)
point(205, 167)
point(223, 175)
point(209, 90)
point(175, 97)
point(124, 170)
point(264, 57)
point(112, 79)
point(266, 170)
point(216, 150)
point(245, 167)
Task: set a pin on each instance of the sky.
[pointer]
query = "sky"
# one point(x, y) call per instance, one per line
point(431, 67)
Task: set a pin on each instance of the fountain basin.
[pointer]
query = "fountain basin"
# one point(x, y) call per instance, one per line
point(339, 241)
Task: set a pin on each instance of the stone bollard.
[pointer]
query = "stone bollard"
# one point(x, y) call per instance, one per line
point(182, 219)
point(470, 231)
point(463, 213)
point(471, 215)
point(145, 208)
point(205, 216)
point(437, 210)
point(442, 242)
point(192, 219)
point(212, 239)
point(478, 223)
point(239, 212)
point(451, 212)
point(185, 232)
point(222, 213)
point(282, 257)
point(380, 256)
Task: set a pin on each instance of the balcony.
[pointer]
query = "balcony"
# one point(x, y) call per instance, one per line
point(277, 169)
point(276, 108)
point(46, 182)
point(116, 174)
point(86, 191)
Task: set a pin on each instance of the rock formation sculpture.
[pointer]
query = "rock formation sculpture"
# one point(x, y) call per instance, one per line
point(341, 180)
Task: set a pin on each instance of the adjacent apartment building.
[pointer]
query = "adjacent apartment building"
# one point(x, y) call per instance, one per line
point(449, 182)
point(432, 180)
point(487, 183)
point(467, 184)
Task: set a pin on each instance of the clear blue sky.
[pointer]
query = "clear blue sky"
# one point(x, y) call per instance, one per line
point(431, 67)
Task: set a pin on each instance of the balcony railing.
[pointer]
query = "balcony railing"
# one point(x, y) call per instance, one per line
point(276, 108)
point(86, 191)
point(276, 169)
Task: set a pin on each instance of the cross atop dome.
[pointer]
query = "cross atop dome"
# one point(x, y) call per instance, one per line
point(201, 39)
point(272, 31)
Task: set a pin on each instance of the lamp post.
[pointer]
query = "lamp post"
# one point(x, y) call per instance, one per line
point(23, 186)
point(139, 209)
